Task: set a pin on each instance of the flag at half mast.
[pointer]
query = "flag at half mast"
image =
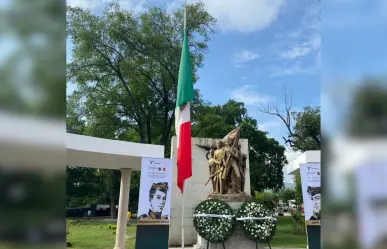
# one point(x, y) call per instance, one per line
point(185, 94)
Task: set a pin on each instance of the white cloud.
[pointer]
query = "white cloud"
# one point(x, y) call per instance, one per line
point(250, 96)
point(85, 4)
point(295, 69)
point(296, 48)
point(134, 5)
point(244, 15)
point(269, 126)
point(303, 49)
point(245, 56)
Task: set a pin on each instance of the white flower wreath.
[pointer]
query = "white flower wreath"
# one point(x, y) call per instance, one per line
point(258, 223)
point(214, 221)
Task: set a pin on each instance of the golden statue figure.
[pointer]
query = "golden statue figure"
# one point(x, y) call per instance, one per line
point(232, 168)
point(227, 165)
point(213, 169)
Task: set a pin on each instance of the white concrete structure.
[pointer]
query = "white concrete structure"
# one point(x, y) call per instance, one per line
point(311, 156)
point(94, 152)
point(290, 157)
point(30, 143)
point(195, 191)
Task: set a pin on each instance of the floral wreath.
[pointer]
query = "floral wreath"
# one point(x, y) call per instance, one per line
point(257, 223)
point(214, 220)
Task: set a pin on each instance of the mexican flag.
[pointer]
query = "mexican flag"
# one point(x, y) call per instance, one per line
point(185, 94)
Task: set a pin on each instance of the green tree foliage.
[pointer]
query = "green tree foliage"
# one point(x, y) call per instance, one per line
point(368, 111)
point(287, 194)
point(82, 186)
point(266, 155)
point(268, 199)
point(31, 72)
point(307, 129)
point(303, 127)
point(126, 67)
point(298, 189)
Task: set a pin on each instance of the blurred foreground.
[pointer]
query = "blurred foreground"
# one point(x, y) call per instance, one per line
point(355, 168)
point(32, 110)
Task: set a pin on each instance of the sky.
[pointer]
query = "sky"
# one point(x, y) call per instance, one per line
point(263, 47)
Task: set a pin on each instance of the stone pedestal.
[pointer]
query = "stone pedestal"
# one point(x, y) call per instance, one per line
point(237, 241)
point(195, 191)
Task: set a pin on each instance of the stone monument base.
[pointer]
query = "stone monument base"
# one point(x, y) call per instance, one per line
point(231, 198)
point(238, 240)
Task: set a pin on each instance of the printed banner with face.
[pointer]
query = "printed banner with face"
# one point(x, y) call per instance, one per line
point(154, 202)
point(311, 192)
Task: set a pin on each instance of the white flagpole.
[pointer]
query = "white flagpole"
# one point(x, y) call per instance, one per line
point(185, 14)
point(183, 197)
point(182, 217)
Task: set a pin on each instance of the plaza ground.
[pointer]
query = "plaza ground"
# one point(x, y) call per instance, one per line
point(96, 234)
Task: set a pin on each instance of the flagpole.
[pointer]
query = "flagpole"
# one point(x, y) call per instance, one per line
point(185, 14)
point(183, 197)
point(182, 217)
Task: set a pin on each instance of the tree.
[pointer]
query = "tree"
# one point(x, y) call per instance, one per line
point(36, 89)
point(368, 111)
point(307, 129)
point(266, 155)
point(126, 66)
point(268, 199)
point(305, 134)
point(287, 194)
point(82, 186)
point(298, 189)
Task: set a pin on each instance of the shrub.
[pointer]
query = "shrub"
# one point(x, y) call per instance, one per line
point(268, 199)
point(298, 222)
point(298, 189)
point(287, 194)
point(111, 227)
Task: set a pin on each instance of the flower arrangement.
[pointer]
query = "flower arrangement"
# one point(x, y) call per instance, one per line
point(258, 223)
point(214, 220)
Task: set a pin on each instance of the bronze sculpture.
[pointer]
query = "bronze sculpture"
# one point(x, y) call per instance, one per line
point(227, 165)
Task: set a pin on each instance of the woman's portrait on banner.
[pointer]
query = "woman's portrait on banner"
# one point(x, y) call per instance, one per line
point(158, 194)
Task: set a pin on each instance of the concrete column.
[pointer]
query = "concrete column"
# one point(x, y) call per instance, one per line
point(123, 202)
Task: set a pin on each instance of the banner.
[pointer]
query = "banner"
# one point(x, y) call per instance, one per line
point(154, 204)
point(311, 192)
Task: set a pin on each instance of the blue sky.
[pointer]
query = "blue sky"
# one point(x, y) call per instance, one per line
point(354, 36)
point(261, 48)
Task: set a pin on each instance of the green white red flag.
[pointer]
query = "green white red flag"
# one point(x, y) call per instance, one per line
point(185, 94)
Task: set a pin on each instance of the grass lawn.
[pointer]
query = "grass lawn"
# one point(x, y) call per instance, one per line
point(90, 235)
point(95, 234)
point(284, 236)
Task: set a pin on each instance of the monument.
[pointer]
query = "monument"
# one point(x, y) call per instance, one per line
point(227, 173)
point(195, 189)
point(227, 168)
